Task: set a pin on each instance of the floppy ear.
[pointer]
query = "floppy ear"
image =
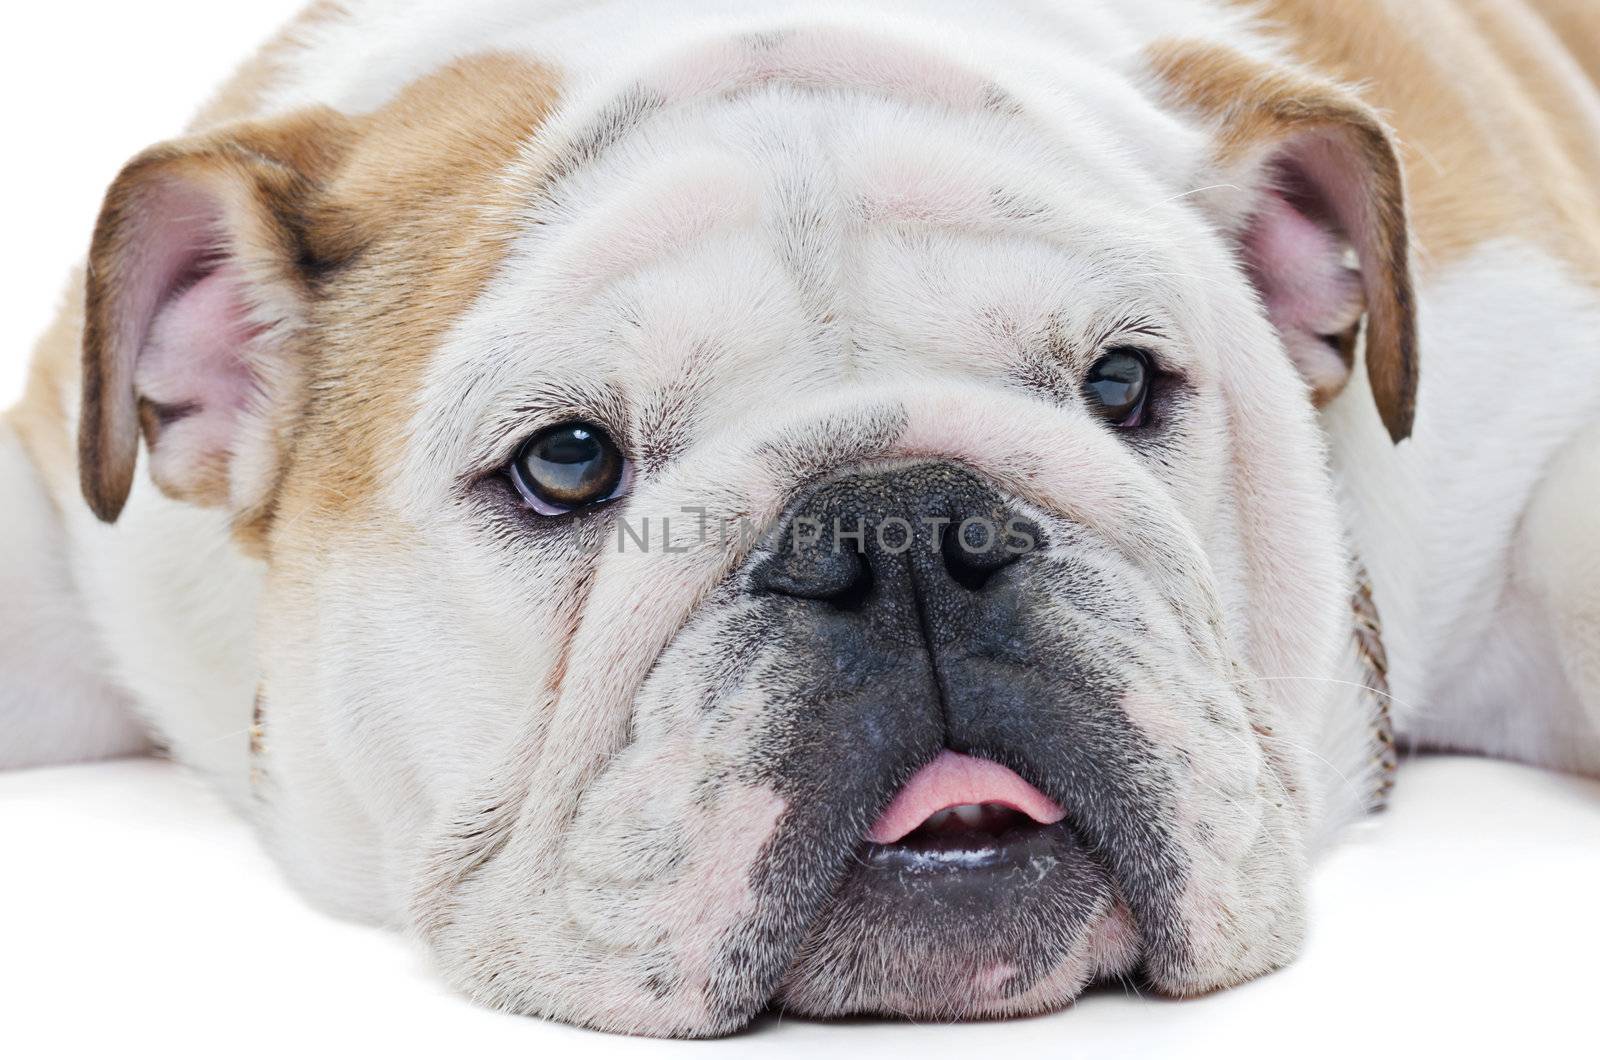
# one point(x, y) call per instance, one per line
point(1308, 184)
point(199, 280)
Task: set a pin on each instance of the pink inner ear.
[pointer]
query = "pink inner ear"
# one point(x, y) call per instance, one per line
point(193, 327)
point(193, 366)
point(1298, 264)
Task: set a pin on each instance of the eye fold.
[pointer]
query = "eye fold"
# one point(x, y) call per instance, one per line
point(1118, 386)
point(568, 467)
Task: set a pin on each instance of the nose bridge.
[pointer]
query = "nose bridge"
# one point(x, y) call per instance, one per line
point(913, 551)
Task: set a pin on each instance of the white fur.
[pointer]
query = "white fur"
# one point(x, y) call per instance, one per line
point(1511, 378)
point(55, 702)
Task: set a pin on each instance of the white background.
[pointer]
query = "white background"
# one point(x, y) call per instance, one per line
point(136, 915)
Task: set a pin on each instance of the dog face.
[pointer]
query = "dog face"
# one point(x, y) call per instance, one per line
point(673, 501)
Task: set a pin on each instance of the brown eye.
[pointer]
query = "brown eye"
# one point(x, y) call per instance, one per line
point(564, 468)
point(1118, 386)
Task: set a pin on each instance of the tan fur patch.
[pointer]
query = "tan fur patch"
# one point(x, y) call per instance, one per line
point(1576, 24)
point(419, 218)
point(1493, 139)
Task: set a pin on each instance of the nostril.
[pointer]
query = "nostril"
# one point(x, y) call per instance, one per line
point(974, 552)
point(842, 578)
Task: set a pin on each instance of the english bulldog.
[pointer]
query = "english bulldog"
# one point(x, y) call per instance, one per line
point(869, 507)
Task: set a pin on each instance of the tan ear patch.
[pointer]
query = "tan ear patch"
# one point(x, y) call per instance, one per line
point(1262, 112)
point(198, 252)
point(345, 246)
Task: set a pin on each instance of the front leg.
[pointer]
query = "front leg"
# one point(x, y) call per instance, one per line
point(56, 703)
point(1558, 560)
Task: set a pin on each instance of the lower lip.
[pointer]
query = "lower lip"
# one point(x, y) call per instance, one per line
point(956, 852)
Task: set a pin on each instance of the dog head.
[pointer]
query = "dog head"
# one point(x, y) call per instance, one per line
point(813, 524)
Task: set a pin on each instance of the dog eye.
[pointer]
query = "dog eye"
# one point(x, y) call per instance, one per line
point(568, 467)
point(1118, 386)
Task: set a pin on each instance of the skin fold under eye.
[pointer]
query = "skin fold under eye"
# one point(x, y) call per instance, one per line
point(1118, 386)
point(567, 468)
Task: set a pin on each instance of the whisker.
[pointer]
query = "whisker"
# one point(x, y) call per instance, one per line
point(1184, 195)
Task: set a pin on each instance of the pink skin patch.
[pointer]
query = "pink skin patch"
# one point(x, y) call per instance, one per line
point(957, 780)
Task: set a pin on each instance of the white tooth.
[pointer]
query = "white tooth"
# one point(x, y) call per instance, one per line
point(970, 814)
point(937, 820)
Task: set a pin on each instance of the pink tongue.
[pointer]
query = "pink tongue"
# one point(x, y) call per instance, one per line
point(953, 780)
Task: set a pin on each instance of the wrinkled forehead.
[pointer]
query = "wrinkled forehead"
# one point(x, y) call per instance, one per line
point(764, 219)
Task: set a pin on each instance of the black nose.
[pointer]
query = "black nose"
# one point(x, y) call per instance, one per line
point(919, 547)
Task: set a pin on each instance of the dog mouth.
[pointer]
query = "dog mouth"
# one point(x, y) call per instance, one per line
point(958, 813)
point(966, 836)
point(962, 833)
